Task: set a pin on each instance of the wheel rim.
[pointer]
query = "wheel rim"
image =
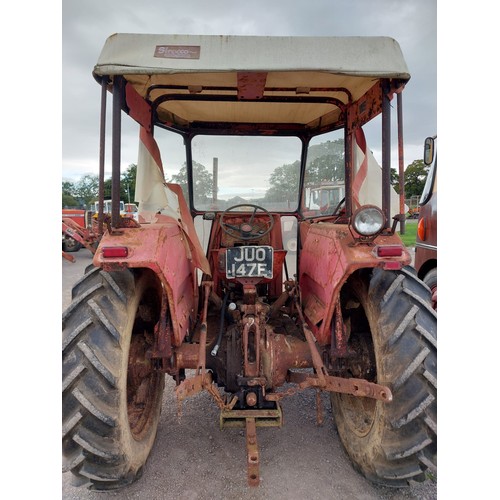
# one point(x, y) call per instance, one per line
point(434, 301)
point(143, 381)
point(430, 279)
point(70, 243)
point(360, 413)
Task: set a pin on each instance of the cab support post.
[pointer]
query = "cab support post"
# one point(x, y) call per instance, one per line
point(386, 152)
point(102, 149)
point(116, 150)
point(189, 169)
point(348, 153)
point(401, 163)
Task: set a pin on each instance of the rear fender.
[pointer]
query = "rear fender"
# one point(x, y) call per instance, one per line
point(165, 250)
point(329, 256)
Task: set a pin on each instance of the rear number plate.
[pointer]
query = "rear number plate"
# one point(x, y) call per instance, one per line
point(249, 262)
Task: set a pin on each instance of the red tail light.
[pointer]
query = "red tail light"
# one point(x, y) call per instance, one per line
point(389, 251)
point(114, 252)
point(421, 229)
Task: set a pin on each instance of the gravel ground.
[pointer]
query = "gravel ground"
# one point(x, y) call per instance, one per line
point(194, 460)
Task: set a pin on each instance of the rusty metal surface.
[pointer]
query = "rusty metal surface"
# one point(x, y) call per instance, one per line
point(148, 248)
point(81, 234)
point(386, 151)
point(263, 358)
point(163, 336)
point(401, 163)
point(186, 356)
point(192, 386)
point(189, 354)
point(102, 154)
point(251, 346)
point(201, 368)
point(340, 336)
point(251, 85)
point(281, 353)
point(252, 453)
point(315, 355)
point(230, 418)
point(333, 245)
point(354, 386)
point(69, 257)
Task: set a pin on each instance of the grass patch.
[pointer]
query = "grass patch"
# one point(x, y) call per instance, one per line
point(410, 235)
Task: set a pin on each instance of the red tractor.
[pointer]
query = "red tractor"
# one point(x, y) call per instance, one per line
point(73, 222)
point(77, 232)
point(201, 288)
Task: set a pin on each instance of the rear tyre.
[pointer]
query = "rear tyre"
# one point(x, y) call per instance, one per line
point(431, 280)
point(393, 328)
point(111, 394)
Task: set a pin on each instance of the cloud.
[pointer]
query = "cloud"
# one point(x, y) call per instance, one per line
point(86, 25)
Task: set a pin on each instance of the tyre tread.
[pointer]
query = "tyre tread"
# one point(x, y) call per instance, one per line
point(75, 333)
point(99, 313)
point(413, 417)
point(72, 376)
point(94, 425)
point(415, 412)
point(97, 363)
point(71, 423)
point(103, 416)
point(89, 446)
point(412, 368)
point(406, 325)
point(79, 299)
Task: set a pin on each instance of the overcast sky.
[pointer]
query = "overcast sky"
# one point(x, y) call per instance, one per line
point(87, 24)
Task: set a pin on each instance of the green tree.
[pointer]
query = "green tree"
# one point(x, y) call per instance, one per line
point(395, 179)
point(127, 185)
point(86, 189)
point(284, 182)
point(415, 176)
point(202, 180)
point(325, 162)
point(68, 188)
point(68, 195)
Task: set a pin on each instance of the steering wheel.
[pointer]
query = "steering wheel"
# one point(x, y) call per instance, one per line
point(337, 208)
point(246, 230)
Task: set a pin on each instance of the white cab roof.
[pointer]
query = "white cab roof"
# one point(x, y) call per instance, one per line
point(251, 68)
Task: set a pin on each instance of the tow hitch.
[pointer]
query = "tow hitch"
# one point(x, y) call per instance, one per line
point(250, 420)
point(253, 406)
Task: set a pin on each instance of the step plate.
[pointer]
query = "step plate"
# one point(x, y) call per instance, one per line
point(231, 419)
